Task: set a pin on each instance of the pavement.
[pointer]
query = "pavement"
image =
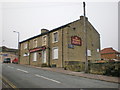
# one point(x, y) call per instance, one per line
point(82, 74)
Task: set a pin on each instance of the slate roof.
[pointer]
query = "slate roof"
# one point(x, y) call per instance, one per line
point(49, 31)
point(5, 49)
point(58, 29)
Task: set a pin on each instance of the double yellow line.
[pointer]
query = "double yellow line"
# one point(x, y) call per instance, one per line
point(9, 83)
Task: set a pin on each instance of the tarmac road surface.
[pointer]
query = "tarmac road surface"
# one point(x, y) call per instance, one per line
point(29, 77)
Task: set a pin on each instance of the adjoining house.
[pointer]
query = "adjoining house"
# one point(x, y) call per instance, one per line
point(110, 54)
point(61, 46)
point(8, 53)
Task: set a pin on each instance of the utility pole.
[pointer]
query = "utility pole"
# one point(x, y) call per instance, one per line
point(85, 30)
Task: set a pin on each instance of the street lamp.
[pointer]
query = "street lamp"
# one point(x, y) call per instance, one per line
point(18, 37)
point(3, 42)
point(18, 44)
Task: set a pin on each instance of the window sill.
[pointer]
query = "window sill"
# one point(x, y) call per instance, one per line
point(55, 59)
point(55, 42)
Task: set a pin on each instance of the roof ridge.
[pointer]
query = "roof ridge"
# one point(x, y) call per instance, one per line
point(50, 31)
point(109, 50)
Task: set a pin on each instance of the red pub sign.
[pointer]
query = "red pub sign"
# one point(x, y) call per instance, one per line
point(37, 49)
point(75, 40)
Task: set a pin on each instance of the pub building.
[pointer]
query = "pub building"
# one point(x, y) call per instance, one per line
point(61, 45)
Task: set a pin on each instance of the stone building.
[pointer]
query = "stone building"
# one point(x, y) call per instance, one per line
point(8, 53)
point(62, 45)
point(110, 54)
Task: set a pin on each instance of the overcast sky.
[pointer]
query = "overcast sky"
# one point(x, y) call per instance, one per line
point(29, 18)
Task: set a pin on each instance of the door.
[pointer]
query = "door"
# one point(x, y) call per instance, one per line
point(44, 56)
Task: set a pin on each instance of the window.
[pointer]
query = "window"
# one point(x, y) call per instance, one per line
point(43, 56)
point(98, 50)
point(55, 37)
point(44, 40)
point(34, 43)
point(25, 46)
point(118, 55)
point(55, 53)
point(35, 56)
point(88, 52)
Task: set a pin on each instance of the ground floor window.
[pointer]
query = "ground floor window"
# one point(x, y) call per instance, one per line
point(55, 52)
point(88, 52)
point(35, 56)
point(44, 56)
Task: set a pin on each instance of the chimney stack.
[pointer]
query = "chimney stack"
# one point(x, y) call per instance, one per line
point(82, 17)
point(44, 31)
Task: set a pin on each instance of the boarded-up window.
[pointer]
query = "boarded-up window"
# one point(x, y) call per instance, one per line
point(88, 52)
point(44, 56)
point(35, 56)
point(55, 53)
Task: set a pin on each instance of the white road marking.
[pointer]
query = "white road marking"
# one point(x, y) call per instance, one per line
point(10, 67)
point(23, 70)
point(47, 78)
point(5, 85)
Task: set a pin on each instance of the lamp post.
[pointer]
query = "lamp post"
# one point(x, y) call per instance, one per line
point(18, 37)
point(3, 42)
point(85, 30)
point(18, 44)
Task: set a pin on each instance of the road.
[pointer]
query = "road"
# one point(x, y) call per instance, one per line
point(29, 77)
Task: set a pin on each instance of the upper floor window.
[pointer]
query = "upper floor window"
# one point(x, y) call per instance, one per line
point(55, 37)
point(44, 40)
point(34, 43)
point(25, 46)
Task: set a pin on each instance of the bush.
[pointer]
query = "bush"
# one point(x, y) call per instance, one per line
point(109, 69)
point(112, 71)
point(75, 67)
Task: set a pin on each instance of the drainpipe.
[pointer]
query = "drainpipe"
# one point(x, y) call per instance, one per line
point(19, 54)
point(62, 50)
point(28, 51)
point(49, 49)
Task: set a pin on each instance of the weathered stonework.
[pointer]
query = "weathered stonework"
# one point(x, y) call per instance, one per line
point(66, 51)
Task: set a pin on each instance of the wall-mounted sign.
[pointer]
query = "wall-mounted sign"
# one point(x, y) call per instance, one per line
point(70, 46)
point(38, 49)
point(75, 40)
point(4, 54)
